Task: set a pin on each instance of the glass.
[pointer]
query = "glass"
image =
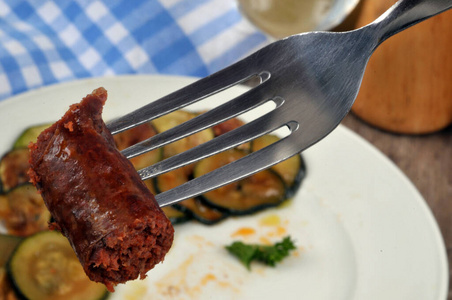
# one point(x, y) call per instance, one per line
point(281, 18)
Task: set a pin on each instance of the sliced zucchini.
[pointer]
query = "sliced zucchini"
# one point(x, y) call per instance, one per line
point(292, 170)
point(193, 207)
point(13, 169)
point(44, 266)
point(174, 215)
point(149, 183)
point(173, 119)
point(230, 125)
point(23, 212)
point(134, 135)
point(29, 135)
point(201, 212)
point(261, 190)
point(7, 245)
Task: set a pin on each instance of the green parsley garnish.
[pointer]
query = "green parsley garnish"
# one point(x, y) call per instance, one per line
point(269, 255)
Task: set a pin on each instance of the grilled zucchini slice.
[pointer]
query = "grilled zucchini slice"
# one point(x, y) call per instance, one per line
point(292, 170)
point(174, 215)
point(44, 266)
point(176, 118)
point(23, 212)
point(193, 206)
point(261, 190)
point(137, 134)
point(29, 135)
point(13, 169)
point(230, 125)
point(14, 164)
point(201, 212)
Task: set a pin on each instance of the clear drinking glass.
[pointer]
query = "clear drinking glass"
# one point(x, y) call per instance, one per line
point(281, 18)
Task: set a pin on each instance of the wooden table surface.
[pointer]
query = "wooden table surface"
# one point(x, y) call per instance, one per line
point(427, 162)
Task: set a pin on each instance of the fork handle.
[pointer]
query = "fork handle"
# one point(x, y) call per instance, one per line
point(406, 13)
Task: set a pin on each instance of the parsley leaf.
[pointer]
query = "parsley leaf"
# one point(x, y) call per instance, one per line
point(269, 255)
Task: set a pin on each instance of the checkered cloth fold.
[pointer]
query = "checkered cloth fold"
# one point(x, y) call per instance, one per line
point(45, 42)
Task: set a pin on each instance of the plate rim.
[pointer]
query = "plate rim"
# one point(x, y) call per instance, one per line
point(442, 251)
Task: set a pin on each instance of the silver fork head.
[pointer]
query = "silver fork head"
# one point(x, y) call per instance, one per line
point(311, 92)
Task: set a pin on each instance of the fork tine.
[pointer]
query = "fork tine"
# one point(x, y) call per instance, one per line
point(265, 124)
point(185, 96)
point(230, 109)
point(239, 169)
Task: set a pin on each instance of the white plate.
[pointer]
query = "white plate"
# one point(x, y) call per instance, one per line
point(362, 229)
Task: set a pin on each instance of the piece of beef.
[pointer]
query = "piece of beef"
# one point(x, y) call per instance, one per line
point(96, 197)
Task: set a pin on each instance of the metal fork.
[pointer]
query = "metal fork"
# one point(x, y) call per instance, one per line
point(313, 79)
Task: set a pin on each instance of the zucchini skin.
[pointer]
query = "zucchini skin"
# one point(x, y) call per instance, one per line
point(201, 212)
point(8, 244)
point(193, 207)
point(292, 170)
point(298, 180)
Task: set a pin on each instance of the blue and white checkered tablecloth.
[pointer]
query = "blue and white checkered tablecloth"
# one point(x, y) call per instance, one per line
point(45, 42)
